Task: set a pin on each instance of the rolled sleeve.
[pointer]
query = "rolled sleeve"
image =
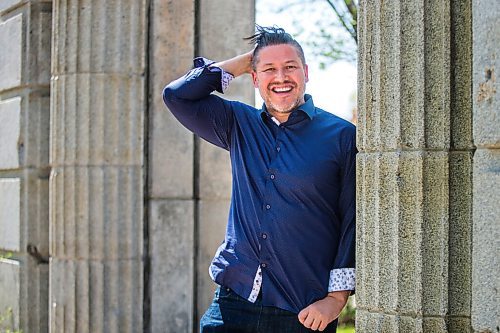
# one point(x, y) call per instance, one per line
point(342, 279)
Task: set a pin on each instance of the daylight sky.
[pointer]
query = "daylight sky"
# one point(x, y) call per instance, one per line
point(332, 88)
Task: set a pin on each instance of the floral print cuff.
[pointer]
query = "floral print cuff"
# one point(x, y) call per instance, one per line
point(342, 279)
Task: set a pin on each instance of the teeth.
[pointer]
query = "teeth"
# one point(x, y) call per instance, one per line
point(282, 89)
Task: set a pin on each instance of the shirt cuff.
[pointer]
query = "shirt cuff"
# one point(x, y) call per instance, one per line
point(342, 279)
point(226, 77)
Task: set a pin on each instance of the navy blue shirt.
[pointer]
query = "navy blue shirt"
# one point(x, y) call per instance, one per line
point(293, 191)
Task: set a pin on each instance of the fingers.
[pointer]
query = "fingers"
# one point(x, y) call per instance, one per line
point(315, 324)
point(303, 315)
point(323, 325)
point(312, 321)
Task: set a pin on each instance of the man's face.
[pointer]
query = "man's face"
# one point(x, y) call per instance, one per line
point(281, 78)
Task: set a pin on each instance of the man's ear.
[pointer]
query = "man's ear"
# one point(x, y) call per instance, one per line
point(306, 72)
point(254, 79)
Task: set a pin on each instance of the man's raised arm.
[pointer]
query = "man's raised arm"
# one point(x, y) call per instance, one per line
point(190, 98)
point(239, 65)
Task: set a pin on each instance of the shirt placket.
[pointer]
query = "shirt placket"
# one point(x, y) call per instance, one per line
point(270, 203)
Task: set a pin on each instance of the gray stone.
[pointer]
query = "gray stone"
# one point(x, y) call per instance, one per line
point(171, 253)
point(11, 33)
point(486, 172)
point(367, 321)
point(9, 294)
point(8, 4)
point(366, 231)
point(459, 324)
point(460, 235)
point(211, 229)
point(35, 210)
point(414, 196)
point(96, 295)
point(171, 145)
point(36, 73)
point(216, 48)
point(90, 127)
point(172, 157)
point(410, 324)
point(486, 241)
point(34, 138)
point(109, 37)
point(34, 294)
point(461, 78)
point(10, 196)
point(388, 207)
point(410, 197)
point(218, 184)
point(435, 325)
point(97, 158)
point(399, 75)
point(10, 130)
point(97, 213)
point(435, 232)
point(486, 31)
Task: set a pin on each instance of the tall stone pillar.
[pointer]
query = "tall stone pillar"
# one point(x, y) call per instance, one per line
point(486, 116)
point(171, 173)
point(214, 167)
point(25, 30)
point(414, 167)
point(189, 180)
point(97, 157)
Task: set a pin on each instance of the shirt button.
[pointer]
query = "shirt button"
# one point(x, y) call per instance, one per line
point(278, 149)
point(264, 236)
point(272, 176)
point(263, 265)
point(268, 206)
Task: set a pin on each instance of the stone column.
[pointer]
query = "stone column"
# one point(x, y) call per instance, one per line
point(414, 167)
point(97, 157)
point(189, 180)
point(25, 30)
point(171, 173)
point(214, 190)
point(486, 116)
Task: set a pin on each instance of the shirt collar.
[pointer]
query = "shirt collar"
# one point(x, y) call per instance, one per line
point(308, 107)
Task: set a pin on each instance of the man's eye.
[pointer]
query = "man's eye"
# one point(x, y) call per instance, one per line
point(291, 67)
point(268, 69)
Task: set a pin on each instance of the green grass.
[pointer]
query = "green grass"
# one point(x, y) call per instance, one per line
point(348, 329)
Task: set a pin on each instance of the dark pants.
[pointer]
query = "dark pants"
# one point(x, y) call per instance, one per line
point(232, 313)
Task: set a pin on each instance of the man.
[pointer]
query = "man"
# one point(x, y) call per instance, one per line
point(287, 261)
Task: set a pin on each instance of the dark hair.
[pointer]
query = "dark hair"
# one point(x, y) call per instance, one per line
point(266, 36)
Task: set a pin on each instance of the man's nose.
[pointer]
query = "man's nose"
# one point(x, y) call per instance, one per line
point(280, 74)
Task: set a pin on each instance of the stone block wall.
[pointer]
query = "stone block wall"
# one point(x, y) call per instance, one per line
point(25, 36)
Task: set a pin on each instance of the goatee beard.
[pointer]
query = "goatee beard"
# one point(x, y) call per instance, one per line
point(283, 110)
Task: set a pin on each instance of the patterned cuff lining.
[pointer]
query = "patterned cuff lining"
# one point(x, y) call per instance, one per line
point(226, 79)
point(257, 283)
point(342, 279)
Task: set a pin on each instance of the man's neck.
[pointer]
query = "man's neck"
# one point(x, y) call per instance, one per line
point(280, 116)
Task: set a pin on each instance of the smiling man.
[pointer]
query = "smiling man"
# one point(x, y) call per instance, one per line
point(287, 260)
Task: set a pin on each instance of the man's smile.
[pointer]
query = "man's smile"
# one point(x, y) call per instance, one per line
point(282, 89)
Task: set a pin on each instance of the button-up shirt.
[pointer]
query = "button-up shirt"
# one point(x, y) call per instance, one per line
point(292, 212)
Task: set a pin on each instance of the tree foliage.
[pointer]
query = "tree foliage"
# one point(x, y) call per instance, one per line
point(334, 36)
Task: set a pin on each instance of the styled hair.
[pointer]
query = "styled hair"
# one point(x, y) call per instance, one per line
point(267, 36)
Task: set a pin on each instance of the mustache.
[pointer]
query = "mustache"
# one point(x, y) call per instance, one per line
point(273, 84)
